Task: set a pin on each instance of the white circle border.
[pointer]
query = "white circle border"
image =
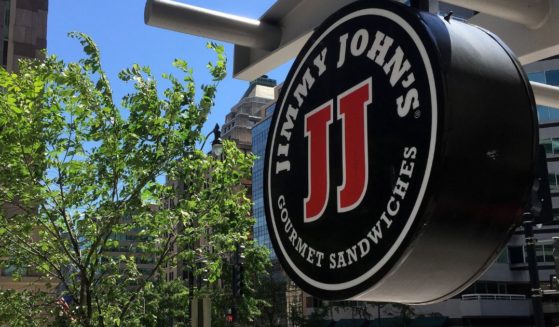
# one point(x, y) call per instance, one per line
point(434, 109)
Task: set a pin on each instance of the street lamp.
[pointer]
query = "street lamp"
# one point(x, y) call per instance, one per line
point(217, 144)
point(202, 305)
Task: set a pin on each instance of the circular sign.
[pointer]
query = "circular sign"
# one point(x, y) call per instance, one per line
point(352, 148)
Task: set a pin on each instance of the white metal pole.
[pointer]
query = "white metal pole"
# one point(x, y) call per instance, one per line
point(546, 95)
point(212, 24)
point(247, 32)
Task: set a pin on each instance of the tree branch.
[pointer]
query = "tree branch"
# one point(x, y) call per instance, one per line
point(64, 215)
point(168, 246)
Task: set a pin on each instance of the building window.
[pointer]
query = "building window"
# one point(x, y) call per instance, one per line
point(537, 77)
point(553, 185)
point(516, 255)
point(503, 257)
point(544, 253)
point(546, 114)
point(312, 302)
point(486, 287)
point(519, 255)
point(308, 302)
point(270, 110)
point(552, 77)
point(551, 146)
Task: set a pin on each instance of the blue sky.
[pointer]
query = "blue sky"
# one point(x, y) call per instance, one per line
point(118, 28)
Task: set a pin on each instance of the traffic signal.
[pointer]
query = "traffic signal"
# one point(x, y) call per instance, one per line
point(238, 261)
point(241, 278)
point(237, 280)
point(229, 317)
point(240, 255)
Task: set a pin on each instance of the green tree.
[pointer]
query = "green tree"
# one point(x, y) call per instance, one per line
point(24, 308)
point(251, 303)
point(273, 288)
point(79, 169)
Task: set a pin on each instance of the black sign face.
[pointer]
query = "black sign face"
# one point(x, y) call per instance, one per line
point(350, 151)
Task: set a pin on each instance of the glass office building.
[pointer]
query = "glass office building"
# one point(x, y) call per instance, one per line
point(259, 139)
point(547, 72)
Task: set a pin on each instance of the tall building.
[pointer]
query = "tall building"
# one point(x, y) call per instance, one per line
point(23, 28)
point(242, 123)
point(129, 244)
point(247, 112)
point(259, 140)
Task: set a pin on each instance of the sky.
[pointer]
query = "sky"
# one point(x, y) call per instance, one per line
point(117, 26)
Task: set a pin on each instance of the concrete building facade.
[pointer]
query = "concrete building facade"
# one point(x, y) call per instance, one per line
point(247, 124)
point(23, 29)
point(247, 112)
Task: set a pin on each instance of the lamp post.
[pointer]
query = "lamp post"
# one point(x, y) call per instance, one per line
point(533, 270)
point(238, 257)
point(217, 144)
point(237, 286)
point(201, 304)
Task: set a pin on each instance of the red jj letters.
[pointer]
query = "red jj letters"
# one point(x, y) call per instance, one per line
point(352, 112)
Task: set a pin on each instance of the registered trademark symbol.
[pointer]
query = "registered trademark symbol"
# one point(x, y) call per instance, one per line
point(417, 114)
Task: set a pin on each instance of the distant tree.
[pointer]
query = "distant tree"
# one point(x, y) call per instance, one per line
point(250, 305)
point(407, 313)
point(403, 312)
point(273, 289)
point(296, 316)
point(316, 318)
point(81, 169)
point(25, 308)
